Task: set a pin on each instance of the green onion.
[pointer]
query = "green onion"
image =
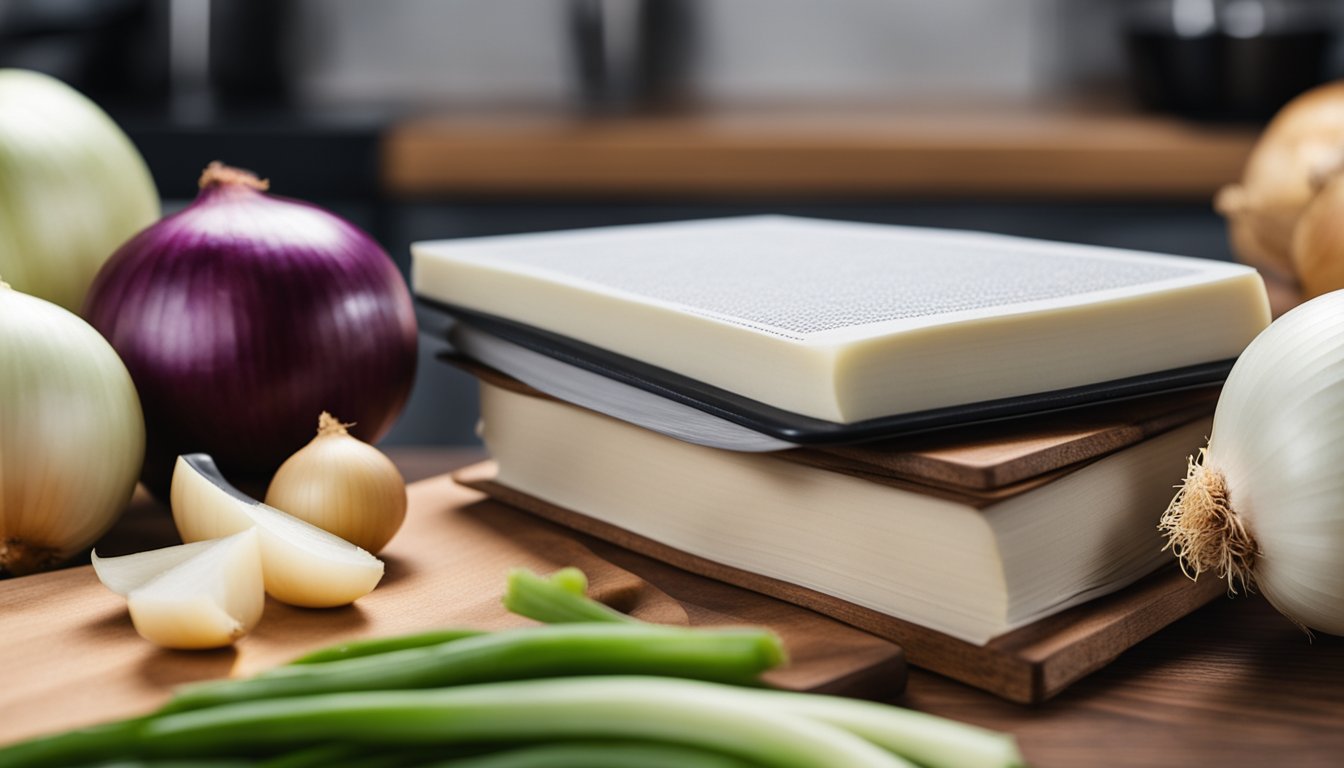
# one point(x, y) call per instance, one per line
point(355, 756)
point(559, 599)
point(931, 741)
point(727, 655)
point(359, 648)
point(691, 713)
point(598, 754)
point(347, 705)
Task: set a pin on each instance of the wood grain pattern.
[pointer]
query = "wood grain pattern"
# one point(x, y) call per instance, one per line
point(1028, 665)
point(1039, 152)
point(72, 656)
point(1233, 685)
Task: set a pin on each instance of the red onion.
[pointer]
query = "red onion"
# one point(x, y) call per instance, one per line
point(244, 316)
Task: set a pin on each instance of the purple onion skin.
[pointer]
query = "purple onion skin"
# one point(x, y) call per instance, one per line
point(242, 318)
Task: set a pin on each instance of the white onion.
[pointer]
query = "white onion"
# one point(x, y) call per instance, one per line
point(71, 434)
point(73, 188)
point(1264, 507)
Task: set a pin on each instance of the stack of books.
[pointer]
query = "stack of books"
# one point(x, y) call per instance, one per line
point(961, 442)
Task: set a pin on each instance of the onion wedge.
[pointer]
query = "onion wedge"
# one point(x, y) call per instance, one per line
point(192, 596)
point(302, 564)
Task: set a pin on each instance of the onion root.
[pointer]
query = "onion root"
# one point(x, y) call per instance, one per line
point(19, 558)
point(1205, 533)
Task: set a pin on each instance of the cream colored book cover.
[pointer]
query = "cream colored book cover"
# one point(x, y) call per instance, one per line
point(846, 321)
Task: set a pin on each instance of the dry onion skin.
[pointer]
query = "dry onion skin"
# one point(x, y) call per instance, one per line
point(342, 485)
point(71, 434)
point(1263, 506)
point(1302, 147)
point(1318, 242)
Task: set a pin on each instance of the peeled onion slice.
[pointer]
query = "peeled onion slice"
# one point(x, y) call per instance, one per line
point(128, 573)
point(302, 564)
point(209, 595)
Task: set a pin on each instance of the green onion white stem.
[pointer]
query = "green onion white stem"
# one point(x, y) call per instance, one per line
point(683, 712)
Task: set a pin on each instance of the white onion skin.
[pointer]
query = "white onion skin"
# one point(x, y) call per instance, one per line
point(72, 188)
point(71, 434)
point(1278, 440)
point(245, 314)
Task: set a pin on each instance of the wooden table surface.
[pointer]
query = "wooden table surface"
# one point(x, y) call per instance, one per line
point(1233, 684)
point(1030, 151)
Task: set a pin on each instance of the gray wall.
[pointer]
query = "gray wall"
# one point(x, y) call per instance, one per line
point(511, 52)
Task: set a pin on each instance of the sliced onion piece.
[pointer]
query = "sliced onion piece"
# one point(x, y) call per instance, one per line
point(128, 573)
point(209, 595)
point(302, 564)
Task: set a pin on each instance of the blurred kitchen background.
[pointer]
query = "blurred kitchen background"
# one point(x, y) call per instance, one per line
point(1096, 121)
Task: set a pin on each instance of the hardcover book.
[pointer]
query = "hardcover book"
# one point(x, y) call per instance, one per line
point(1020, 589)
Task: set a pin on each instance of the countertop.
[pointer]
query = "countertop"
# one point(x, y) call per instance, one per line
point(1041, 151)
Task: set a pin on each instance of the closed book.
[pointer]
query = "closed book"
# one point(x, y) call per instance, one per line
point(845, 322)
point(954, 576)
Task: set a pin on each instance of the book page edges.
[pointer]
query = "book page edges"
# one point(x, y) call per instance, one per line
point(716, 504)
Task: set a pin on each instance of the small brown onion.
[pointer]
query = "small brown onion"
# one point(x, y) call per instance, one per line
point(342, 485)
point(1300, 149)
point(1318, 242)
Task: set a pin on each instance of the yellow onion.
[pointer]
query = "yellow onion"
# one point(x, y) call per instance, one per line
point(72, 188)
point(71, 434)
point(1318, 242)
point(1300, 149)
point(342, 485)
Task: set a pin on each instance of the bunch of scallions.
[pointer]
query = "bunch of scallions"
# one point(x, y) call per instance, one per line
point(591, 688)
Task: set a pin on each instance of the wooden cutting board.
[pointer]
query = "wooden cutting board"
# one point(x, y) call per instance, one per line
point(1028, 665)
point(73, 658)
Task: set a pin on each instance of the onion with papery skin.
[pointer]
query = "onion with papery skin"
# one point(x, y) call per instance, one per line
point(1318, 242)
point(1263, 507)
point(72, 188)
point(1302, 147)
point(242, 316)
point(343, 486)
point(71, 435)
